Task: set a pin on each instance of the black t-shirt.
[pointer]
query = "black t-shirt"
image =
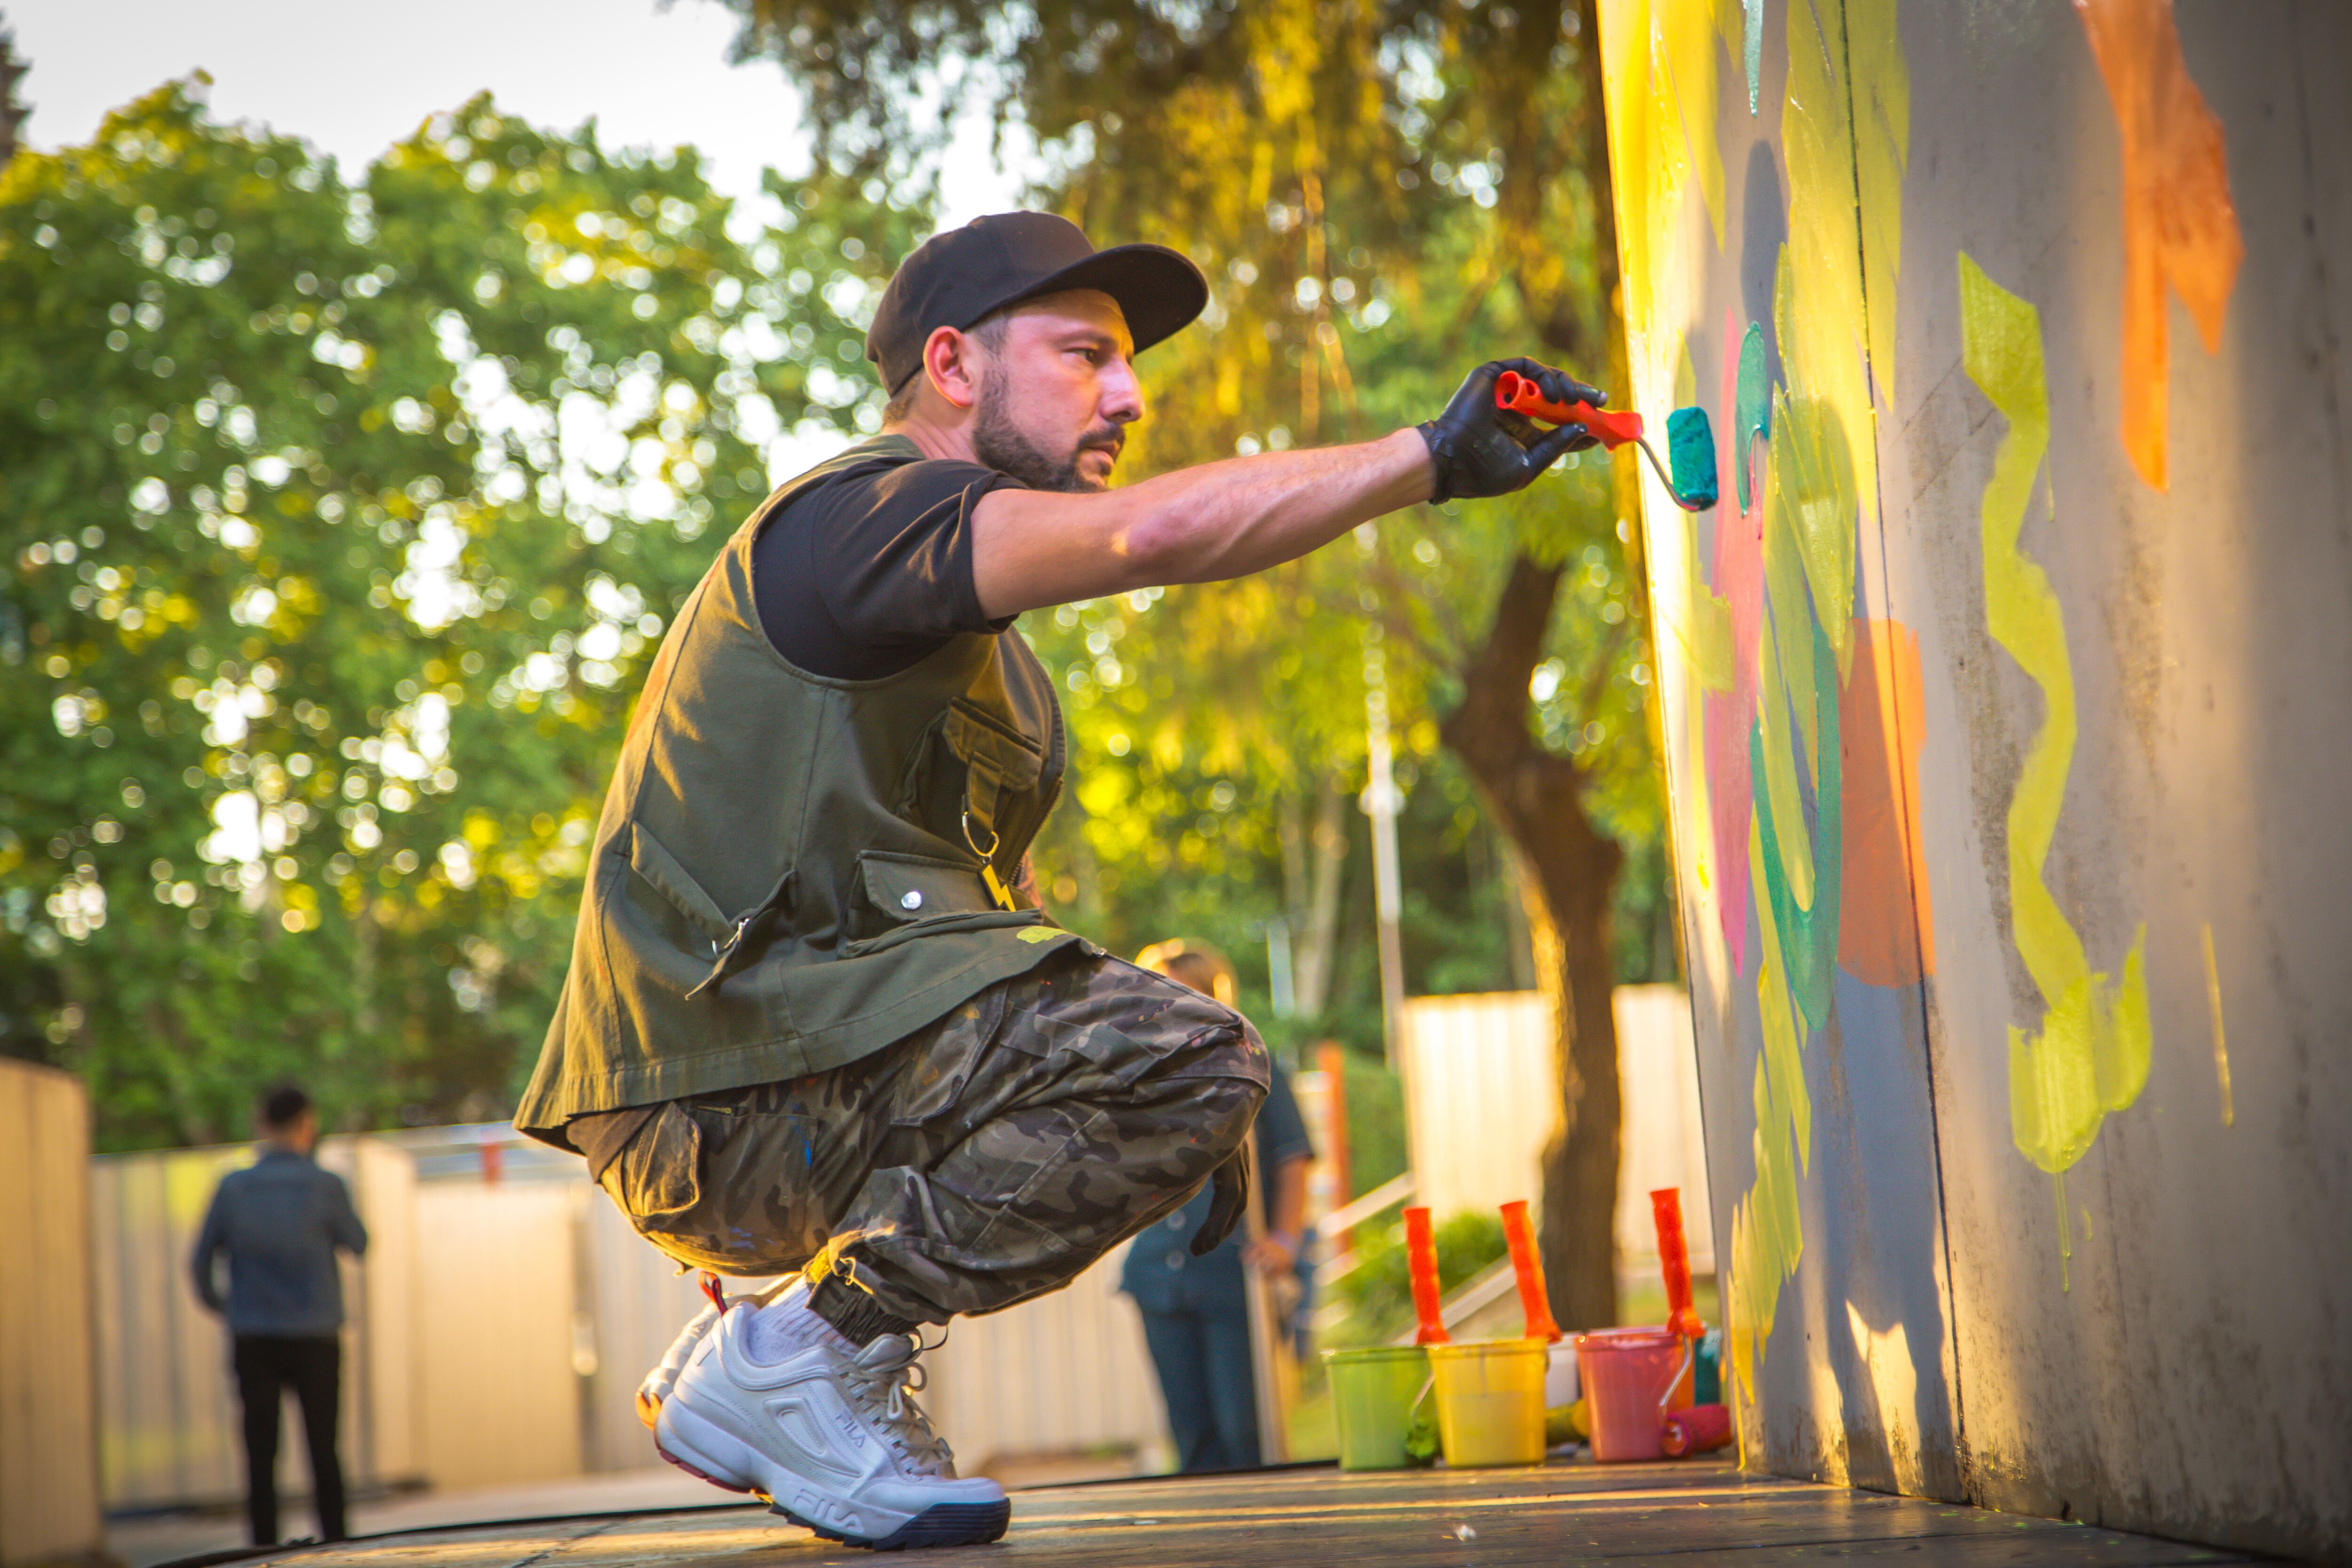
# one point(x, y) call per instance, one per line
point(870, 572)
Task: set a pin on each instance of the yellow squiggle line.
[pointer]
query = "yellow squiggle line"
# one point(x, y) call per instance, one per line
point(2091, 1056)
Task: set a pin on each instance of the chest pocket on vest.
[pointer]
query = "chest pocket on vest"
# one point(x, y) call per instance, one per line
point(1000, 763)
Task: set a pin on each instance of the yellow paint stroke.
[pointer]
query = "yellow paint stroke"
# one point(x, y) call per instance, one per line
point(1682, 89)
point(2091, 1056)
point(2179, 224)
point(1768, 1237)
point(1814, 502)
point(1846, 223)
point(1706, 629)
point(2220, 1041)
point(1659, 82)
point(1882, 150)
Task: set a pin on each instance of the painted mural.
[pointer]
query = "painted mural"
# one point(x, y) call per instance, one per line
point(1963, 874)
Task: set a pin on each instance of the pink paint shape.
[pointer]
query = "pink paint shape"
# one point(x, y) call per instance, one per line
point(1728, 716)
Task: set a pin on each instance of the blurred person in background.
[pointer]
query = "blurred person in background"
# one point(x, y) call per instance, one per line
point(279, 1222)
point(1196, 1309)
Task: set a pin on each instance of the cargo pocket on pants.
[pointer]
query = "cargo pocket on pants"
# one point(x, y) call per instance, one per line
point(656, 1179)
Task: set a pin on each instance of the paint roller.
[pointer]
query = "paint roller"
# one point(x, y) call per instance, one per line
point(1535, 1302)
point(1420, 1263)
point(1694, 1428)
point(1690, 439)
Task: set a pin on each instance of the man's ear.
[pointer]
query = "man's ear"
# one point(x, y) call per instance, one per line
point(952, 362)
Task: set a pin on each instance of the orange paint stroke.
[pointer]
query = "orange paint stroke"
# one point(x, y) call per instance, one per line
point(2179, 226)
point(1887, 934)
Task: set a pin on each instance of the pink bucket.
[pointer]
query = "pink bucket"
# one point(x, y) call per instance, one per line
point(1625, 1373)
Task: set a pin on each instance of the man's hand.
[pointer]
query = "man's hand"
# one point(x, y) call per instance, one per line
point(1478, 449)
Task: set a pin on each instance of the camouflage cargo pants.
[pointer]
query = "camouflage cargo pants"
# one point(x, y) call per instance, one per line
point(986, 1159)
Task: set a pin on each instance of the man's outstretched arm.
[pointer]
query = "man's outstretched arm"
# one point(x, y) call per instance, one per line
point(1229, 519)
point(1032, 548)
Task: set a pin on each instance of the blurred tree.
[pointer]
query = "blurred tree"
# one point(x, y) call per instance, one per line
point(338, 521)
point(12, 111)
point(1359, 180)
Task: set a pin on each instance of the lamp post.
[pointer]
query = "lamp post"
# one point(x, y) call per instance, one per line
point(1381, 799)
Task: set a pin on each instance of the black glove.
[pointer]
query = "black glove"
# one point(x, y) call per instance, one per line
point(1479, 450)
point(1228, 1197)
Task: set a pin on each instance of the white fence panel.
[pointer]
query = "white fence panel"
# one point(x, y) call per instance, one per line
point(1482, 1097)
point(1059, 1374)
point(499, 1397)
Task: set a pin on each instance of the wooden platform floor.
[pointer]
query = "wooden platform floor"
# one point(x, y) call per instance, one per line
point(1627, 1516)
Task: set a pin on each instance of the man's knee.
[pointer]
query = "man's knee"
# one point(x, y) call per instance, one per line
point(1192, 1036)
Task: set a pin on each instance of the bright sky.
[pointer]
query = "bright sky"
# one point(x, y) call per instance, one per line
point(352, 78)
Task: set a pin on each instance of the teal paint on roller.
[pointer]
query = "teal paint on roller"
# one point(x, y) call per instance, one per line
point(1689, 436)
point(1690, 452)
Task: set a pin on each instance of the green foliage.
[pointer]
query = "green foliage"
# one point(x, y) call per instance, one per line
point(1379, 1290)
point(1376, 1146)
point(339, 522)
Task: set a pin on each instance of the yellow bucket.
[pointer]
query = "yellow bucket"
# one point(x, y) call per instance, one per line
point(1490, 1408)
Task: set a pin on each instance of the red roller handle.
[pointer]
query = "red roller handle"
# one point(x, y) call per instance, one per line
point(1421, 1259)
point(1613, 426)
point(1534, 1300)
point(1673, 1262)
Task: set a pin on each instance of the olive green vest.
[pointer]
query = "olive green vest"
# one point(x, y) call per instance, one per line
point(788, 872)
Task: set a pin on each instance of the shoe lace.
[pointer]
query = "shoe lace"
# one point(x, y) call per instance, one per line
point(887, 1378)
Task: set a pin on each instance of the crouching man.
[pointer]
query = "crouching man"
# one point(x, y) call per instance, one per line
point(816, 1023)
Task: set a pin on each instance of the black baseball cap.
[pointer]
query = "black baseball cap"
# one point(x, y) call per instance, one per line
point(957, 277)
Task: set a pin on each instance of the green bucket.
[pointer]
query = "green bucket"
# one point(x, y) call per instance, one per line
point(1372, 1395)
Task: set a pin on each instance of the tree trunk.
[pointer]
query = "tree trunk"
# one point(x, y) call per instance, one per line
point(1319, 942)
point(1572, 869)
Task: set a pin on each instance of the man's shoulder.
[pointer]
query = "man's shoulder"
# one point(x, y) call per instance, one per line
point(290, 1170)
point(887, 470)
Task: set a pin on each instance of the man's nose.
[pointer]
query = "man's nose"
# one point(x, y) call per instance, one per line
point(1121, 399)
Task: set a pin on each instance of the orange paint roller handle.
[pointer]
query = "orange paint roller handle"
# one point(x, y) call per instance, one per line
point(1420, 1259)
point(1673, 1262)
point(1534, 1300)
point(1613, 427)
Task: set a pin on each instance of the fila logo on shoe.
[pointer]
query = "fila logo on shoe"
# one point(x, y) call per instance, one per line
point(823, 1510)
point(850, 1428)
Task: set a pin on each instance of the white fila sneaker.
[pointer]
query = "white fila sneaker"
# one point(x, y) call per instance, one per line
point(829, 1436)
point(664, 1376)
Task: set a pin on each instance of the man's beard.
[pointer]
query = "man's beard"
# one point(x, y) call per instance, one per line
point(997, 443)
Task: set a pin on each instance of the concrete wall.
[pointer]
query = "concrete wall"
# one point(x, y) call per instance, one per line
point(2009, 706)
point(48, 1396)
